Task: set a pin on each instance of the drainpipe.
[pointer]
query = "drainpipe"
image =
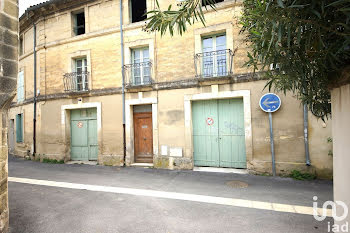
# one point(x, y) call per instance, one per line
point(306, 135)
point(123, 77)
point(34, 102)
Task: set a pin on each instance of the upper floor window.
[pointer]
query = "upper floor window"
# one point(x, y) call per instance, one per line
point(21, 45)
point(79, 23)
point(207, 2)
point(214, 57)
point(19, 127)
point(20, 86)
point(138, 10)
point(81, 74)
point(141, 68)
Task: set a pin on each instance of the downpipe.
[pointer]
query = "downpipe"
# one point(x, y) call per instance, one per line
point(123, 77)
point(35, 91)
point(306, 135)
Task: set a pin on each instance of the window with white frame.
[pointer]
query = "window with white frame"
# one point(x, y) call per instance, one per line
point(141, 68)
point(214, 59)
point(81, 74)
point(20, 86)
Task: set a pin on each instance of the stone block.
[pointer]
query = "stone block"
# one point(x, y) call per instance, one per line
point(3, 198)
point(8, 38)
point(3, 171)
point(112, 160)
point(161, 162)
point(3, 153)
point(11, 8)
point(4, 220)
point(7, 22)
point(7, 84)
point(8, 68)
point(8, 52)
point(183, 163)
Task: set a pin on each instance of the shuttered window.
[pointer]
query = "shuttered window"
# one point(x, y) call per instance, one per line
point(20, 87)
point(19, 128)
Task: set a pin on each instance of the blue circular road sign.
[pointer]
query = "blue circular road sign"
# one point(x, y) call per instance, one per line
point(270, 102)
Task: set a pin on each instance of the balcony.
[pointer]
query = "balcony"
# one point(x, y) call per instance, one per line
point(214, 64)
point(76, 81)
point(138, 74)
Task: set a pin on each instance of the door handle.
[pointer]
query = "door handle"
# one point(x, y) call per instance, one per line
point(144, 139)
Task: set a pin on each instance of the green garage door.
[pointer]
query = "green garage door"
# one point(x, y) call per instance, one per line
point(84, 144)
point(218, 133)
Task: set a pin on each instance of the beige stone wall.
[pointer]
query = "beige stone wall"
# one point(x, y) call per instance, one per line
point(8, 74)
point(23, 148)
point(173, 56)
point(4, 211)
point(53, 141)
point(341, 146)
point(173, 59)
point(287, 123)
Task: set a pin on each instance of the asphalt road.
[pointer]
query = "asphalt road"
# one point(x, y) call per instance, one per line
point(40, 208)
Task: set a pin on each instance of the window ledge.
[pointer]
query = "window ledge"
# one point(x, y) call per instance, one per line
point(77, 93)
point(226, 77)
point(222, 5)
point(135, 25)
point(143, 87)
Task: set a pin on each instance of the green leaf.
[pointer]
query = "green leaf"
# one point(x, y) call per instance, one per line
point(280, 3)
point(316, 13)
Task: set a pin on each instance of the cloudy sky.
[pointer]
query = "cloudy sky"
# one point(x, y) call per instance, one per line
point(24, 4)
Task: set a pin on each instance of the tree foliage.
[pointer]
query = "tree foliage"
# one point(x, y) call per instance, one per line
point(187, 13)
point(305, 42)
point(301, 45)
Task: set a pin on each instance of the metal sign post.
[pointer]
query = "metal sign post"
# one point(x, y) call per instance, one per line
point(272, 146)
point(271, 103)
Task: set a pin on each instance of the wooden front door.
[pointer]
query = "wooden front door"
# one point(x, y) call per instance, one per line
point(143, 134)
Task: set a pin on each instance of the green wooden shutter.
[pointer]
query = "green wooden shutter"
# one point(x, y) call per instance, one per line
point(19, 128)
point(20, 87)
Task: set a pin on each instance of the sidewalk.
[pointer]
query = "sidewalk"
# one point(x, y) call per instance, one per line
point(200, 193)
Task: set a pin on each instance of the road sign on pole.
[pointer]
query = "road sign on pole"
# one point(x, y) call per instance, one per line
point(271, 103)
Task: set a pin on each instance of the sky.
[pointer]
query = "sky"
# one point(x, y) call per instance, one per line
point(24, 4)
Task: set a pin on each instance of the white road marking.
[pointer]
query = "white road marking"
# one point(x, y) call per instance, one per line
point(176, 196)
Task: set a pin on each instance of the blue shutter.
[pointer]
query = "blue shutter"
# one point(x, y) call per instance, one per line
point(19, 128)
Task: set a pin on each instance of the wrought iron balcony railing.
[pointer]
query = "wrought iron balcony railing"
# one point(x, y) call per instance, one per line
point(76, 81)
point(138, 74)
point(214, 64)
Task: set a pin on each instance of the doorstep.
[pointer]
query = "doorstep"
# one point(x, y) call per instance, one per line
point(146, 165)
point(82, 162)
point(221, 170)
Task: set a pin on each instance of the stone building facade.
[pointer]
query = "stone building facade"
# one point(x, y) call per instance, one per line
point(189, 101)
point(8, 74)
